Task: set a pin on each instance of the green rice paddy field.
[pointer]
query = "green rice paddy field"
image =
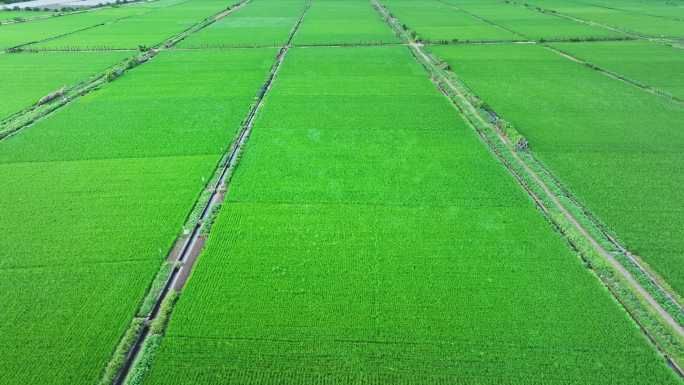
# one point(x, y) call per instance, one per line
point(367, 233)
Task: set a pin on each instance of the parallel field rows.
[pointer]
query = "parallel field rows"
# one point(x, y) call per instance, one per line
point(368, 236)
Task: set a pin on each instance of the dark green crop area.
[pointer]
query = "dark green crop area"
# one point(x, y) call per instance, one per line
point(387, 246)
point(27, 77)
point(618, 148)
point(93, 198)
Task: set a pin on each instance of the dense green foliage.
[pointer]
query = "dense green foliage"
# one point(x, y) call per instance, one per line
point(655, 65)
point(617, 147)
point(344, 22)
point(635, 22)
point(27, 77)
point(259, 23)
point(93, 197)
point(369, 238)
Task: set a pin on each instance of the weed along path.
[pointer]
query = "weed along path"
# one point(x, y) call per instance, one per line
point(193, 244)
point(548, 200)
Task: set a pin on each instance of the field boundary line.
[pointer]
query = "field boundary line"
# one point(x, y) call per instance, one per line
point(613, 275)
point(188, 248)
point(15, 123)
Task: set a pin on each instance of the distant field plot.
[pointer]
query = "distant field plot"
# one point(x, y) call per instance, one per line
point(433, 20)
point(23, 33)
point(148, 29)
point(9, 15)
point(532, 24)
point(627, 21)
point(93, 197)
point(370, 238)
point(344, 22)
point(27, 77)
point(259, 23)
point(617, 148)
point(667, 9)
point(655, 65)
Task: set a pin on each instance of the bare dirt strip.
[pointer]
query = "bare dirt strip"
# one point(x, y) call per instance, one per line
point(193, 244)
point(634, 285)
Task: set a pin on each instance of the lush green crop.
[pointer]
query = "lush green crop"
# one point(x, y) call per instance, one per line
point(344, 22)
point(655, 65)
point(259, 23)
point(93, 197)
point(370, 238)
point(640, 23)
point(27, 77)
point(147, 29)
point(531, 24)
point(618, 148)
point(433, 20)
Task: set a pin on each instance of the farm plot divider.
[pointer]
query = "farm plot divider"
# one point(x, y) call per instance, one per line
point(189, 246)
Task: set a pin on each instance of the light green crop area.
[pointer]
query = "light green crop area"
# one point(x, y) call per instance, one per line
point(618, 148)
point(94, 196)
point(370, 238)
point(26, 77)
point(344, 22)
